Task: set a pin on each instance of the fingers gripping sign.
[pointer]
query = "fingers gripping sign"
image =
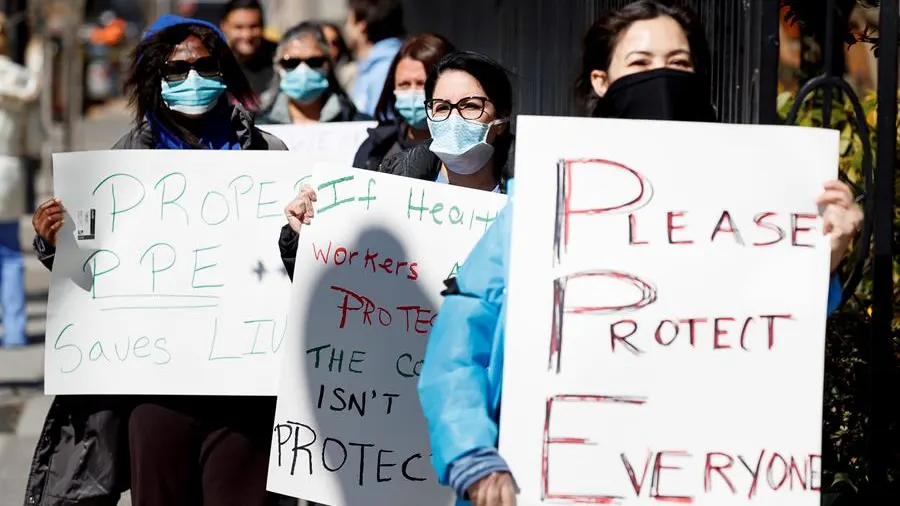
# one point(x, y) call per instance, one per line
point(48, 219)
point(301, 210)
point(495, 489)
point(842, 218)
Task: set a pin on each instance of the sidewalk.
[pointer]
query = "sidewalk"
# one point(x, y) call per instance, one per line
point(23, 406)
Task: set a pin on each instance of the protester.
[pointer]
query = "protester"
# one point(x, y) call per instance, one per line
point(184, 450)
point(308, 91)
point(19, 87)
point(373, 30)
point(243, 22)
point(468, 106)
point(402, 121)
point(638, 60)
point(344, 66)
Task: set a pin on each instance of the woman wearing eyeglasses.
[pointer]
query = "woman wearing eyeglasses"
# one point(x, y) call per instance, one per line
point(468, 104)
point(177, 450)
point(308, 90)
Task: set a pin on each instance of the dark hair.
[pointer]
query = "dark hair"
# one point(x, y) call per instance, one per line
point(384, 18)
point(427, 48)
point(343, 50)
point(495, 81)
point(144, 83)
point(236, 5)
point(601, 40)
point(314, 30)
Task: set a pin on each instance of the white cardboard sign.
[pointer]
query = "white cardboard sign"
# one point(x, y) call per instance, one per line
point(666, 318)
point(349, 428)
point(167, 277)
point(335, 143)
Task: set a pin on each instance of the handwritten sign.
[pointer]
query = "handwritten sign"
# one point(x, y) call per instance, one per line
point(335, 143)
point(667, 302)
point(349, 429)
point(168, 277)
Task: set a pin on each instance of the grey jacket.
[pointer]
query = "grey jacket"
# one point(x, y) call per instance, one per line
point(82, 455)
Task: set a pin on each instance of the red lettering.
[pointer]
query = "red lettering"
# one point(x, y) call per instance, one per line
point(770, 469)
point(796, 229)
point(761, 223)
point(671, 227)
point(387, 265)
point(632, 231)
point(635, 484)
point(413, 274)
point(744, 333)
point(659, 332)
point(718, 468)
point(658, 467)
point(719, 332)
point(423, 319)
point(322, 255)
point(568, 190)
point(772, 319)
point(754, 473)
point(615, 336)
point(400, 265)
point(795, 471)
point(647, 291)
point(363, 303)
point(815, 476)
point(343, 253)
point(726, 224)
point(372, 258)
point(691, 322)
point(549, 441)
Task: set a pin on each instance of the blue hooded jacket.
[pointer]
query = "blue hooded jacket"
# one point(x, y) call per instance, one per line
point(460, 382)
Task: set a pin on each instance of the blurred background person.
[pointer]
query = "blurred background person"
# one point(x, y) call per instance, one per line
point(402, 121)
point(344, 66)
point(19, 88)
point(308, 90)
point(243, 22)
point(374, 29)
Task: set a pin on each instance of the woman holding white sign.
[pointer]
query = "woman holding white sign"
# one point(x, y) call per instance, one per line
point(648, 60)
point(308, 89)
point(176, 450)
point(468, 106)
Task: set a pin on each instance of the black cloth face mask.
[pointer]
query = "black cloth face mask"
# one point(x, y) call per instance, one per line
point(661, 94)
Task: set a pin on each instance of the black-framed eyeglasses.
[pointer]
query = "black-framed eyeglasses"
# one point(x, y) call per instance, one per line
point(178, 70)
point(470, 108)
point(316, 62)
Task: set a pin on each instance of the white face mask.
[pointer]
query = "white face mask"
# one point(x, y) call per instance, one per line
point(462, 144)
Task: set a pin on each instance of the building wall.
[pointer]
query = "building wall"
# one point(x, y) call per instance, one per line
point(539, 41)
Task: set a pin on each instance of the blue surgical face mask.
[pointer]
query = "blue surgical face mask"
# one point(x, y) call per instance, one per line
point(462, 144)
point(304, 84)
point(195, 95)
point(411, 105)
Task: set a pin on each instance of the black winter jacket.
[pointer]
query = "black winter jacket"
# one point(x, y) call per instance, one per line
point(385, 141)
point(82, 455)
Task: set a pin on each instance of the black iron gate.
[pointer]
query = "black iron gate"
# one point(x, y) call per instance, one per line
point(540, 40)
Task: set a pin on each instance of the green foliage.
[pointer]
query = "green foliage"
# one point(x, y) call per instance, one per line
point(845, 418)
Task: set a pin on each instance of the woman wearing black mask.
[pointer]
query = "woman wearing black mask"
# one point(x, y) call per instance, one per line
point(646, 61)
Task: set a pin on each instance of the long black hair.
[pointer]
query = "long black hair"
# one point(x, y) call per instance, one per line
point(144, 84)
point(602, 38)
point(498, 88)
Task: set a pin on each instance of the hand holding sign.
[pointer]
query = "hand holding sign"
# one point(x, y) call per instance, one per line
point(495, 489)
point(48, 219)
point(300, 211)
point(842, 218)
